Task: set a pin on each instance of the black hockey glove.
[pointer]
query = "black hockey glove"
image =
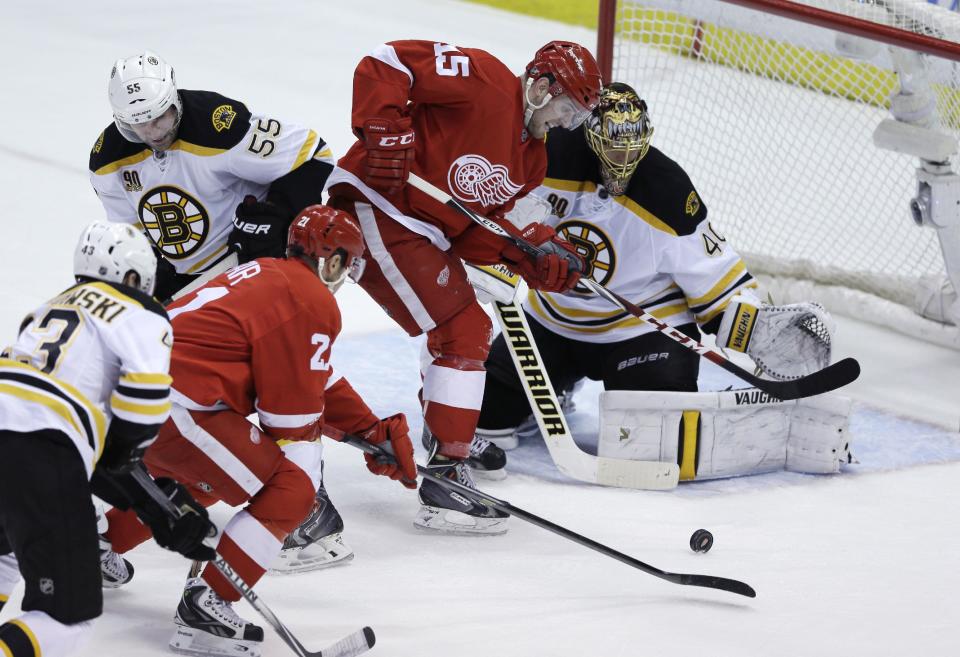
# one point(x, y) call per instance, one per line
point(184, 534)
point(260, 229)
point(125, 445)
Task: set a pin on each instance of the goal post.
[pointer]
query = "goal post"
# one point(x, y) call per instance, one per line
point(822, 136)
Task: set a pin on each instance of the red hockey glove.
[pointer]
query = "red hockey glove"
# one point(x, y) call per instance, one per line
point(390, 151)
point(403, 467)
point(557, 269)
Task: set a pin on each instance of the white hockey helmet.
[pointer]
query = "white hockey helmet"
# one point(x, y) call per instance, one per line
point(108, 251)
point(142, 87)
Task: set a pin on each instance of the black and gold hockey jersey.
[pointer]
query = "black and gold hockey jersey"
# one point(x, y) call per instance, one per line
point(653, 245)
point(185, 198)
point(95, 354)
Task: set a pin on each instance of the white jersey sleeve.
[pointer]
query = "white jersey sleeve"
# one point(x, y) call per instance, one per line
point(705, 267)
point(272, 148)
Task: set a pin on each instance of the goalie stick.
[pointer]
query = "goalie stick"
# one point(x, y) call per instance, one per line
point(829, 378)
point(706, 581)
point(568, 457)
point(351, 645)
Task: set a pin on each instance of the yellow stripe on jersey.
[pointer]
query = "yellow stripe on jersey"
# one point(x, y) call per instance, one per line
point(100, 421)
point(55, 404)
point(4, 598)
point(195, 149)
point(305, 150)
point(151, 410)
point(570, 185)
point(716, 291)
point(125, 162)
point(200, 263)
point(30, 635)
point(325, 154)
point(660, 313)
point(703, 318)
point(144, 378)
point(644, 214)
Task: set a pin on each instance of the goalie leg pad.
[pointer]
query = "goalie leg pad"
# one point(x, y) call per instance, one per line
point(725, 434)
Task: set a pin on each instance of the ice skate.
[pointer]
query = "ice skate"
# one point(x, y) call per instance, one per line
point(448, 511)
point(207, 625)
point(487, 460)
point(316, 543)
point(114, 569)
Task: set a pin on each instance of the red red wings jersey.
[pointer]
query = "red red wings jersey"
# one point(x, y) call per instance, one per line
point(467, 111)
point(257, 338)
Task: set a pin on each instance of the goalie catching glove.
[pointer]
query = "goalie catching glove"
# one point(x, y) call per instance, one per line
point(786, 342)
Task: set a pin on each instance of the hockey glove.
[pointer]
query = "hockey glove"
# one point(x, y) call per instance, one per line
point(184, 534)
point(125, 445)
point(260, 229)
point(557, 269)
point(390, 153)
point(786, 342)
point(402, 467)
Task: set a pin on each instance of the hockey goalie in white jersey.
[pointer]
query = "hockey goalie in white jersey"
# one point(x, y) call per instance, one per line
point(636, 218)
point(83, 391)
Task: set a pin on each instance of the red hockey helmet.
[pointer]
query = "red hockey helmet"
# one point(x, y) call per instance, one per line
point(319, 231)
point(572, 70)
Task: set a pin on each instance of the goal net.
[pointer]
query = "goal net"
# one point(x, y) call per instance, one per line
point(773, 118)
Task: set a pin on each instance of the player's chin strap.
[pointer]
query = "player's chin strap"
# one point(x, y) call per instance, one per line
point(529, 107)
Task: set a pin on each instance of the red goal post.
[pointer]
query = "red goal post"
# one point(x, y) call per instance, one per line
point(781, 111)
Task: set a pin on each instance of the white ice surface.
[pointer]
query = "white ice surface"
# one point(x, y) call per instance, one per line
point(860, 564)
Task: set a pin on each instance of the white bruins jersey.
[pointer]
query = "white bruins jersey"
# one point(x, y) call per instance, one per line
point(653, 246)
point(185, 200)
point(96, 352)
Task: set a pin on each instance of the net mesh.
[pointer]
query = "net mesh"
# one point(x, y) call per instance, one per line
point(773, 120)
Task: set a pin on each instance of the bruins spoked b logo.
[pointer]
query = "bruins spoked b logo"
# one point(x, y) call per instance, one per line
point(176, 222)
point(595, 248)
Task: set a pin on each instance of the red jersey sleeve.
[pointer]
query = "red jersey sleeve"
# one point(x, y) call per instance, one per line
point(346, 411)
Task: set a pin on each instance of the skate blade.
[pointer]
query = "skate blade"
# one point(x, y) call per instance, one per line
point(489, 475)
point(448, 521)
point(191, 641)
point(327, 552)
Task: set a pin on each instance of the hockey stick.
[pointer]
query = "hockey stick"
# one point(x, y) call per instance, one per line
point(706, 581)
point(568, 457)
point(829, 378)
point(230, 260)
point(354, 644)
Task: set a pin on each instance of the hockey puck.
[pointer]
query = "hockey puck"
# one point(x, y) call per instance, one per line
point(701, 541)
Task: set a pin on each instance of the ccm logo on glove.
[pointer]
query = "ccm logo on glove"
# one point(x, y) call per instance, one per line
point(396, 140)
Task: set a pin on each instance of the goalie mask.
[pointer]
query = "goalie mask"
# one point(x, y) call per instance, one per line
point(320, 232)
point(619, 133)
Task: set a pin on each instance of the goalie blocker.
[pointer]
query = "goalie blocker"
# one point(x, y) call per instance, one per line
point(712, 435)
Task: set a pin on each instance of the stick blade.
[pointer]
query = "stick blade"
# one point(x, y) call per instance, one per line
point(349, 646)
point(721, 583)
point(829, 378)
